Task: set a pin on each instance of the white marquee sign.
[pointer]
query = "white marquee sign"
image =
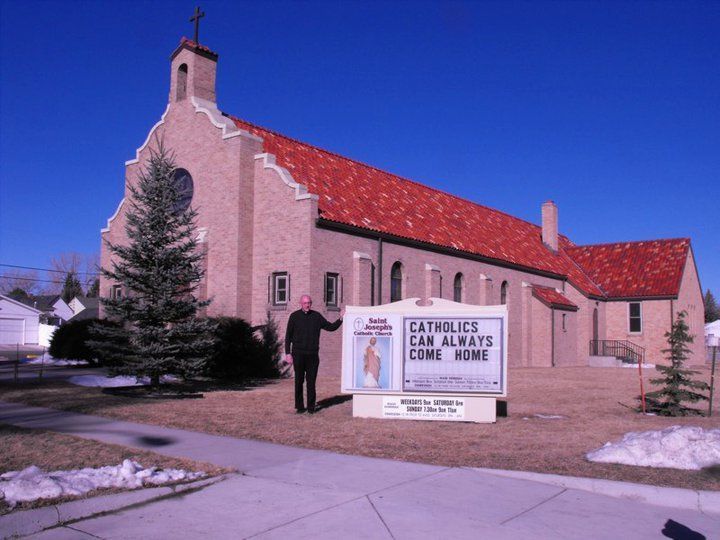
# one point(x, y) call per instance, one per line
point(444, 361)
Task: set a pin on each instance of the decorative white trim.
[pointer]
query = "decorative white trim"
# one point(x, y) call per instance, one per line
point(360, 255)
point(301, 191)
point(147, 141)
point(111, 218)
point(432, 267)
point(483, 277)
point(202, 235)
point(228, 127)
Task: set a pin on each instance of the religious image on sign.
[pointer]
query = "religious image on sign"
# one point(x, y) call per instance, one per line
point(453, 354)
point(373, 359)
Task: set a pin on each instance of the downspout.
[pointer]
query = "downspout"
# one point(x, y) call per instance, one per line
point(380, 274)
point(552, 337)
point(672, 310)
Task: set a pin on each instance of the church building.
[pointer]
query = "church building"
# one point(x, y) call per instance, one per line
point(279, 218)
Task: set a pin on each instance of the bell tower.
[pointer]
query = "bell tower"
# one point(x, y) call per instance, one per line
point(192, 72)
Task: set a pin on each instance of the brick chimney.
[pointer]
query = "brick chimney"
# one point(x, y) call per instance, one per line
point(550, 225)
point(192, 72)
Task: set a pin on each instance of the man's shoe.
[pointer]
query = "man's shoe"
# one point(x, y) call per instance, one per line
point(311, 410)
point(300, 410)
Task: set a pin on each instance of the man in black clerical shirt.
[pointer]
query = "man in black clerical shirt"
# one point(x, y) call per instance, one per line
point(302, 342)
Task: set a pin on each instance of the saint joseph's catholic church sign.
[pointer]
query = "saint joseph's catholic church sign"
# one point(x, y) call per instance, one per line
point(443, 361)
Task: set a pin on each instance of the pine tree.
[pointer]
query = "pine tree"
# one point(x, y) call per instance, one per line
point(93, 290)
point(271, 346)
point(678, 385)
point(712, 310)
point(71, 287)
point(159, 270)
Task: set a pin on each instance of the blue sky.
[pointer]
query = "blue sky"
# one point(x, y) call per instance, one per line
point(611, 109)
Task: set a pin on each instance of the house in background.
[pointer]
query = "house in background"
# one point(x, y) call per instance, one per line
point(278, 218)
point(55, 310)
point(89, 306)
point(712, 334)
point(19, 323)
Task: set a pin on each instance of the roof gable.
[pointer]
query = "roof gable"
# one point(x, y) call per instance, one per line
point(552, 298)
point(652, 268)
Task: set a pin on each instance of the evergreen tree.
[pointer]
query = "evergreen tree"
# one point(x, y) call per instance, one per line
point(21, 295)
point(678, 385)
point(272, 346)
point(71, 287)
point(712, 310)
point(159, 270)
point(93, 290)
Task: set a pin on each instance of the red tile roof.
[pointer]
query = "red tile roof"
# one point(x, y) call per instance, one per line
point(635, 269)
point(553, 298)
point(359, 195)
point(192, 45)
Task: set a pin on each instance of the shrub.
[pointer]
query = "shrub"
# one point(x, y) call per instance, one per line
point(70, 341)
point(239, 354)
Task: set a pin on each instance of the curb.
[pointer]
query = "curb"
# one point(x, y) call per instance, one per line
point(27, 522)
point(707, 502)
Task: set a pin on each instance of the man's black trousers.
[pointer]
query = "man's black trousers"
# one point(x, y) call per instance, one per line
point(305, 364)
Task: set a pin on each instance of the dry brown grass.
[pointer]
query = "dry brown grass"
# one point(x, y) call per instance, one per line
point(54, 452)
point(588, 399)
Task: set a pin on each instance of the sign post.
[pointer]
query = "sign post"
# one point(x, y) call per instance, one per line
point(444, 361)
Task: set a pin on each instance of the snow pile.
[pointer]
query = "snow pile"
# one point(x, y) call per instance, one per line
point(644, 366)
point(31, 484)
point(113, 382)
point(48, 360)
point(677, 447)
point(545, 416)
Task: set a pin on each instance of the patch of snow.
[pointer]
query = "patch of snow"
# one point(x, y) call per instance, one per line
point(120, 380)
point(545, 416)
point(32, 484)
point(48, 360)
point(644, 366)
point(677, 447)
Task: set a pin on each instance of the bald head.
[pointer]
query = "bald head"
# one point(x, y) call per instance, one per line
point(305, 302)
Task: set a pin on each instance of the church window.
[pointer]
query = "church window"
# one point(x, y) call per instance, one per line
point(564, 322)
point(396, 282)
point(332, 281)
point(280, 288)
point(635, 317)
point(504, 292)
point(181, 82)
point(458, 287)
point(116, 292)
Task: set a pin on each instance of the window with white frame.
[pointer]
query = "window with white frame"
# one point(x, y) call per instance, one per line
point(116, 292)
point(280, 285)
point(635, 317)
point(332, 287)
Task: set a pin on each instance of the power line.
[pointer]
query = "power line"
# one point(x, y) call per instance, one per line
point(48, 270)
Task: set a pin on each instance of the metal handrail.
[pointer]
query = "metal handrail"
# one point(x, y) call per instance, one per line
point(624, 350)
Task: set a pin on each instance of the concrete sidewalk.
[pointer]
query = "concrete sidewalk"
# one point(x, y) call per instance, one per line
point(286, 492)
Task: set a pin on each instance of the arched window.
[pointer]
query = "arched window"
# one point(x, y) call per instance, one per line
point(396, 282)
point(458, 287)
point(504, 292)
point(181, 82)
